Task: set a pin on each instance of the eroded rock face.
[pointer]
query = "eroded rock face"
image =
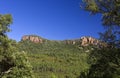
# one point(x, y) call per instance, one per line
point(34, 39)
point(85, 41)
point(25, 38)
point(89, 40)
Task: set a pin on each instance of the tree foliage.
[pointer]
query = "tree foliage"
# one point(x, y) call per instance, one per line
point(56, 59)
point(110, 11)
point(13, 64)
point(106, 61)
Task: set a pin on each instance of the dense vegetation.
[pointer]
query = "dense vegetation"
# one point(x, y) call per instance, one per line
point(13, 64)
point(55, 59)
point(106, 62)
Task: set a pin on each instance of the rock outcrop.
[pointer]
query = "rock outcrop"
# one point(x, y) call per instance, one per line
point(32, 38)
point(85, 41)
point(89, 40)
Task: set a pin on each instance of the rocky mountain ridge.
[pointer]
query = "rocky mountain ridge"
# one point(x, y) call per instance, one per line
point(32, 38)
point(83, 41)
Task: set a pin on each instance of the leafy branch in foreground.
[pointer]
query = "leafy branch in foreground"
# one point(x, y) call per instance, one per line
point(13, 64)
point(106, 62)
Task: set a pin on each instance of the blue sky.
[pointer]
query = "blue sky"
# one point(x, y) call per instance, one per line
point(51, 19)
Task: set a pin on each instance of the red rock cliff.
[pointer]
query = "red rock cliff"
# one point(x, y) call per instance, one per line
point(34, 39)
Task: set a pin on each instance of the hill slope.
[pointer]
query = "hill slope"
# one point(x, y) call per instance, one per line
point(56, 58)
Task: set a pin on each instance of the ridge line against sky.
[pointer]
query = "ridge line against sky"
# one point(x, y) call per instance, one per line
point(50, 19)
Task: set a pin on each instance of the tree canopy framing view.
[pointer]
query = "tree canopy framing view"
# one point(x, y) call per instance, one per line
point(85, 57)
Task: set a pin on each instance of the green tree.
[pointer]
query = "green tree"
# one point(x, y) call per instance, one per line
point(110, 11)
point(108, 8)
point(105, 63)
point(13, 64)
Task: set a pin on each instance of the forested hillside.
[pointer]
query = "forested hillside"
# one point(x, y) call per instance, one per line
point(56, 59)
point(37, 57)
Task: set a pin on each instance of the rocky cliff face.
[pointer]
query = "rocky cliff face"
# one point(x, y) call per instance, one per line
point(86, 41)
point(32, 38)
point(83, 41)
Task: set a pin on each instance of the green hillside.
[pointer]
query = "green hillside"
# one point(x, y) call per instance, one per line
point(55, 59)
